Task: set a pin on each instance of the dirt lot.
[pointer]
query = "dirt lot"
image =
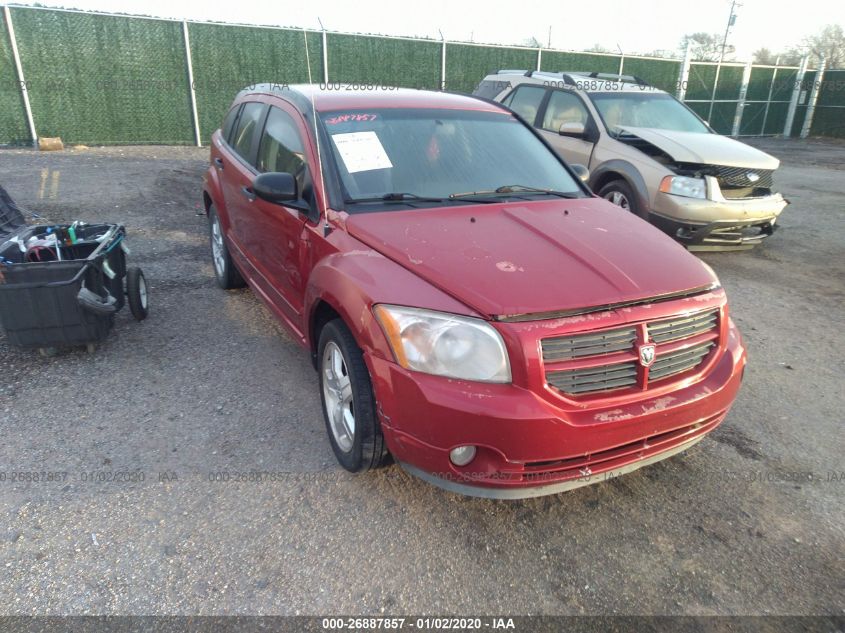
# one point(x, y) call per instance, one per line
point(748, 522)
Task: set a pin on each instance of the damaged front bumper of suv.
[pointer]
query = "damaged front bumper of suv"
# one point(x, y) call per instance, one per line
point(717, 222)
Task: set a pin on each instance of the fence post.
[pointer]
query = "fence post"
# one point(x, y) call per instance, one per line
point(769, 98)
point(191, 88)
point(683, 75)
point(325, 58)
point(443, 64)
point(539, 58)
point(814, 95)
point(24, 93)
point(793, 102)
point(743, 93)
point(713, 94)
point(621, 65)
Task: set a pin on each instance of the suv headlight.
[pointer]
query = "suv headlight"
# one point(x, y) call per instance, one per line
point(684, 186)
point(445, 344)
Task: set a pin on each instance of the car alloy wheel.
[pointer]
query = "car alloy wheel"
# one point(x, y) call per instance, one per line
point(618, 198)
point(217, 248)
point(338, 398)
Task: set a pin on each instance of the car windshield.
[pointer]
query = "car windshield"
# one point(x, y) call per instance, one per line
point(654, 110)
point(425, 157)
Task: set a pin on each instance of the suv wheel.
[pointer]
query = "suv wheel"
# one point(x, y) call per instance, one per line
point(224, 270)
point(348, 403)
point(620, 193)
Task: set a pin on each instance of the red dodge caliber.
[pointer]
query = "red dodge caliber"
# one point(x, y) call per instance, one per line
point(471, 307)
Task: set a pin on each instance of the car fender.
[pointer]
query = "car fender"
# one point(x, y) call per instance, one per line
point(628, 172)
point(352, 281)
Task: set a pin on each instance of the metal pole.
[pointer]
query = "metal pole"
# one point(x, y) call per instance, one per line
point(621, 65)
point(769, 98)
point(731, 19)
point(24, 93)
point(325, 58)
point(191, 88)
point(793, 102)
point(743, 93)
point(442, 63)
point(539, 58)
point(814, 95)
point(683, 76)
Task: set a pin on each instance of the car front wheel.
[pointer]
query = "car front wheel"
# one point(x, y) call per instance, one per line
point(622, 195)
point(348, 403)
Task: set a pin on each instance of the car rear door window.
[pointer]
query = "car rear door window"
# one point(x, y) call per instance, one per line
point(248, 123)
point(229, 122)
point(563, 107)
point(525, 101)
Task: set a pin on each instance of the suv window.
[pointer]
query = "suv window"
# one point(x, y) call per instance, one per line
point(247, 124)
point(281, 147)
point(229, 122)
point(525, 101)
point(488, 89)
point(563, 107)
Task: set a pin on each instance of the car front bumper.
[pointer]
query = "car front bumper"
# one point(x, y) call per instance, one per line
point(717, 224)
point(526, 445)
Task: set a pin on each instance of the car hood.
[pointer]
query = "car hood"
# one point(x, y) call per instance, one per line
point(541, 256)
point(708, 149)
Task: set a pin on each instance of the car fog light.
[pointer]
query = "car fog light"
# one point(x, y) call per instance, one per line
point(462, 455)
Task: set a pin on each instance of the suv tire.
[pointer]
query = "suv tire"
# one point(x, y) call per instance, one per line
point(622, 195)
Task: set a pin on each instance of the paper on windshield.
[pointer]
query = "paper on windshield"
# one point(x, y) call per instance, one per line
point(361, 151)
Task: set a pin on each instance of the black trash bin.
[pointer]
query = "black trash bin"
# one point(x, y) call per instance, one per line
point(61, 284)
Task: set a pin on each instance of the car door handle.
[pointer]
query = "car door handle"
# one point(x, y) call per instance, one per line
point(218, 162)
point(248, 193)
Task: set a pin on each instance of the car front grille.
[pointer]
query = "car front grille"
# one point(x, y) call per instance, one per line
point(607, 360)
point(736, 183)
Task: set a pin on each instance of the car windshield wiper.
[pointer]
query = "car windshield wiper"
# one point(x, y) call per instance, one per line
point(514, 189)
point(396, 197)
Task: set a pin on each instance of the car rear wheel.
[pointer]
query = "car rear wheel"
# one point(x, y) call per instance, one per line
point(224, 269)
point(620, 193)
point(348, 402)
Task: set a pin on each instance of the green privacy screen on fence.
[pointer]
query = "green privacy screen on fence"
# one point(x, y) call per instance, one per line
point(13, 128)
point(104, 79)
point(107, 79)
point(226, 59)
point(401, 62)
point(466, 64)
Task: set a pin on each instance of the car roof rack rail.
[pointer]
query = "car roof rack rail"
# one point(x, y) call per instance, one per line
point(616, 77)
point(511, 71)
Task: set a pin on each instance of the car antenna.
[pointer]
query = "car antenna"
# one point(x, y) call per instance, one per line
point(326, 228)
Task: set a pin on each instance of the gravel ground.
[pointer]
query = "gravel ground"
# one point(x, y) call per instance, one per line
point(748, 522)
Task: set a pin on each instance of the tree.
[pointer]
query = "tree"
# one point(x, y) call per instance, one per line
point(598, 48)
point(830, 43)
point(705, 47)
point(764, 56)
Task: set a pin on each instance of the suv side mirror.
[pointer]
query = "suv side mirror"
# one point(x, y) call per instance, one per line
point(573, 129)
point(582, 172)
point(276, 187)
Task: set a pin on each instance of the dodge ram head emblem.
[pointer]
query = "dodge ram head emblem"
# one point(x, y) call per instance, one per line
point(752, 177)
point(646, 355)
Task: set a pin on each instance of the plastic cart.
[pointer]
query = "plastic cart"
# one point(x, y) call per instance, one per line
point(61, 284)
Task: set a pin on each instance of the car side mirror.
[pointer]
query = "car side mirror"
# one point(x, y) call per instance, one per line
point(277, 187)
point(573, 129)
point(582, 172)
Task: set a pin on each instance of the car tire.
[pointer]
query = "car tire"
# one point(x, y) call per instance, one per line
point(349, 407)
point(622, 195)
point(227, 275)
point(137, 293)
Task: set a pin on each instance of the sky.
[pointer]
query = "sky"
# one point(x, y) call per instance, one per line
point(634, 26)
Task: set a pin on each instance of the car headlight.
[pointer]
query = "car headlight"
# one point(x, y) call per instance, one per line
point(684, 186)
point(445, 344)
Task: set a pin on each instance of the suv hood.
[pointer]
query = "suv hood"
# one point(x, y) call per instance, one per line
point(533, 257)
point(706, 149)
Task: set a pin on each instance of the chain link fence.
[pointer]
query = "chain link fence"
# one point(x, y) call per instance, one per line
point(112, 79)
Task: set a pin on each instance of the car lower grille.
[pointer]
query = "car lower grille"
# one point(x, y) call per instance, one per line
point(597, 362)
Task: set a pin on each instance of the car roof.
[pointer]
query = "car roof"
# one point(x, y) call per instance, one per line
point(334, 97)
point(575, 80)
